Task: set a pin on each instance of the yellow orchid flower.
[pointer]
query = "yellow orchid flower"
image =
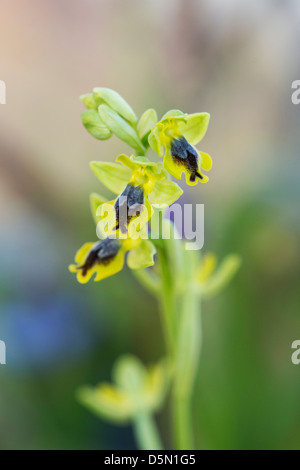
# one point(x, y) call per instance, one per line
point(135, 389)
point(140, 184)
point(106, 258)
point(178, 133)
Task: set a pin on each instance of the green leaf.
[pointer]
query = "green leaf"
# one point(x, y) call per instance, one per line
point(164, 194)
point(88, 101)
point(142, 256)
point(120, 128)
point(146, 122)
point(194, 128)
point(114, 176)
point(115, 102)
point(96, 200)
point(95, 125)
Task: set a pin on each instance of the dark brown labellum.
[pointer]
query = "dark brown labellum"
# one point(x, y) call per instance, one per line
point(102, 252)
point(184, 154)
point(128, 205)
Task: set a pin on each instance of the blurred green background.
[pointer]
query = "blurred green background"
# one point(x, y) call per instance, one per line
point(234, 59)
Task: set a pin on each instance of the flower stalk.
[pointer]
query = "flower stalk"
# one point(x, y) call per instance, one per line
point(181, 315)
point(146, 432)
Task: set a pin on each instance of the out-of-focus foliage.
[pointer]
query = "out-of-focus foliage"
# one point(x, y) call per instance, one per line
point(135, 390)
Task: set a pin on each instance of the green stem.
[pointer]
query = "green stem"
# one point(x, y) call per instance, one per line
point(187, 360)
point(182, 323)
point(146, 432)
point(168, 303)
point(183, 425)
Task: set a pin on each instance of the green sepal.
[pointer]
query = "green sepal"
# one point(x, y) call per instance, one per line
point(146, 123)
point(114, 176)
point(165, 193)
point(194, 128)
point(115, 102)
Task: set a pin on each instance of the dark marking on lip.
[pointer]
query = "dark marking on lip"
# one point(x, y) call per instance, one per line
point(184, 154)
point(101, 253)
point(128, 205)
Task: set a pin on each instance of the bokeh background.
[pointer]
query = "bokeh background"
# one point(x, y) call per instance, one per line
point(234, 59)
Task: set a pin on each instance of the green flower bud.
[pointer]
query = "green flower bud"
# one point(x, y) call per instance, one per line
point(95, 125)
point(89, 101)
point(115, 102)
point(120, 128)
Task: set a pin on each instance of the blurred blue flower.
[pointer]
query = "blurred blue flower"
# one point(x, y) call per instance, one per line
point(46, 333)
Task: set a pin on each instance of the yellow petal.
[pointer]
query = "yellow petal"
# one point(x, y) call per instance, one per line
point(173, 167)
point(85, 279)
point(82, 252)
point(73, 268)
point(126, 161)
point(206, 161)
point(103, 269)
point(204, 179)
point(111, 267)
